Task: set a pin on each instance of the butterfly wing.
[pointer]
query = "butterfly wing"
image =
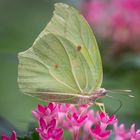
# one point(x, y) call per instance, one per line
point(68, 23)
point(52, 65)
point(64, 61)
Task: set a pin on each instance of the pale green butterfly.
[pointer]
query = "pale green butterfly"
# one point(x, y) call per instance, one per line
point(64, 63)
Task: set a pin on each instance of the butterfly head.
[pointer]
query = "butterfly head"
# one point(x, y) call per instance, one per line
point(98, 94)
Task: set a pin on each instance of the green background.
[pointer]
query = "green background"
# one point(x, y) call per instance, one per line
point(20, 23)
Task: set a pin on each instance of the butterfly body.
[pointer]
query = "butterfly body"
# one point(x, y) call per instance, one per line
point(64, 64)
point(92, 99)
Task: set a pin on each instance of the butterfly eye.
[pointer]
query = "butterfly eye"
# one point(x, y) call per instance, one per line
point(79, 48)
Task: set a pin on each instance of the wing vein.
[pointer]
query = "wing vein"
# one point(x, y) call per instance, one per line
point(71, 67)
point(84, 42)
point(58, 80)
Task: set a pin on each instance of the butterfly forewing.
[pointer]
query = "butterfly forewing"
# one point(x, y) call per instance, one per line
point(68, 23)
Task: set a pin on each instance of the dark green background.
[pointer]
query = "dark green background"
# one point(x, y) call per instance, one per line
point(20, 23)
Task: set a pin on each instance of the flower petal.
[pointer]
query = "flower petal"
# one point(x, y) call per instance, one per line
point(41, 108)
point(13, 136)
point(4, 137)
point(43, 124)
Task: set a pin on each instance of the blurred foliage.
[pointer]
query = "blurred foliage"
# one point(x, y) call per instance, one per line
point(32, 136)
point(20, 23)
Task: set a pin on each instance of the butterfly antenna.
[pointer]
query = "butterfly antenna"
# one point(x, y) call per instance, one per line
point(120, 104)
point(125, 92)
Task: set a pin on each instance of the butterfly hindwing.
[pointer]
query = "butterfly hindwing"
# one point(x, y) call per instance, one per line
point(52, 64)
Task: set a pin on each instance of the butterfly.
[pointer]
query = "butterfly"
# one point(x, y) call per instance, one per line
point(64, 64)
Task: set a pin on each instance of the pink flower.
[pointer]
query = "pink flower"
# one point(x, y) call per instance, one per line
point(90, 120)
point(13, 136)
point(135, 135)
point(104, 118)
point(49, 131)
point(90, 14)
point(76, 119)
point(45, 111)
point(116, 20)
point(121, 133)
point(63, 109)
point(98, 133)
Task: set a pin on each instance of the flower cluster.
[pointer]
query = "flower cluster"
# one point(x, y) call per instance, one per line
point(81, 122)
point(118, 20)
point(12, 137)
point(47, 118)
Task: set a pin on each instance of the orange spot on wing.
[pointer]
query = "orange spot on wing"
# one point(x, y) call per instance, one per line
point(79, 48)
point(56, 66)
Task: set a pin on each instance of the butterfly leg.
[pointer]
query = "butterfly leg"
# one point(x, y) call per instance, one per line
point(101, 106)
